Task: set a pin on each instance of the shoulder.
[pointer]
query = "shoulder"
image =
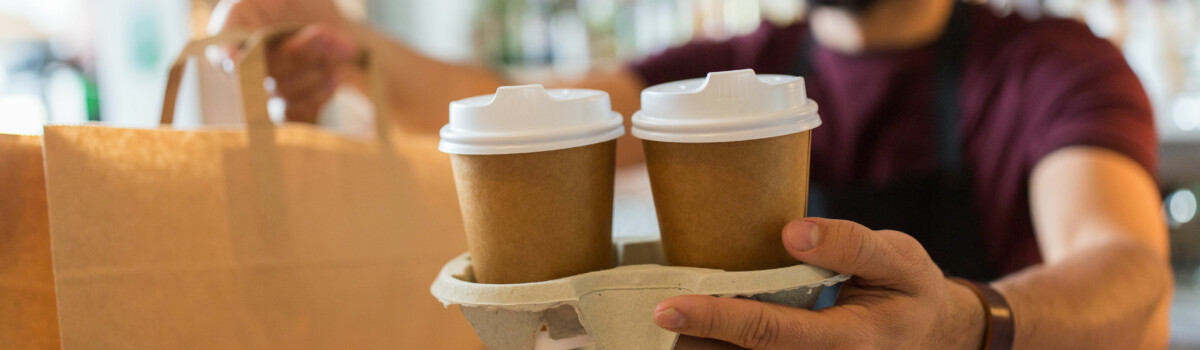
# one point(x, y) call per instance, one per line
point(1054, 61)
point(776, 49)
point(1066, 44)
point(764, 49)
point(1055, 45)
point(1069, 86)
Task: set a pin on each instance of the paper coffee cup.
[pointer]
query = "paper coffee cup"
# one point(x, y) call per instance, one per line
point(728, 157)
point(534, 170)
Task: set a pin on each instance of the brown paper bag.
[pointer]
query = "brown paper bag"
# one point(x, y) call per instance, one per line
point(27, 315)
point(272, 237)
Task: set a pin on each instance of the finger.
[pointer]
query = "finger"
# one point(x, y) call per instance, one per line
point(315, 45)
point(302, 83)
point(755, 325)
point(340, 46)
point(305, 109)
point(315, 92)
point(885, 258)
point(687, 342)
point(301, 113)
point(296, 53)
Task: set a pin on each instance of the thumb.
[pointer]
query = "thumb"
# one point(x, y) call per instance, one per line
point(880, 257)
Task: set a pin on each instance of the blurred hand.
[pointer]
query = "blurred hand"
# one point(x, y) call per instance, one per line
point(254, 14)
point(308, 66)
point(897, 299)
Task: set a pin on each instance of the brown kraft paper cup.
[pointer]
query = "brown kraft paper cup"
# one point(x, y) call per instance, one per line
point(723, 205)
point(537, 216)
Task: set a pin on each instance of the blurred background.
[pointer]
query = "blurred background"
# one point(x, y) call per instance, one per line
point(72, 61)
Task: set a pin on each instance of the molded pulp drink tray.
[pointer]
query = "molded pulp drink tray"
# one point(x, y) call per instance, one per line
point(615, 307)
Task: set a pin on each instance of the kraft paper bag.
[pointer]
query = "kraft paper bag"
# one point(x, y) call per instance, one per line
point(27, 314)
point(267, 237)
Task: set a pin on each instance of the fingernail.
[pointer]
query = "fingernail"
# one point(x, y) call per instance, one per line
point(669, 319)
point(800, 235)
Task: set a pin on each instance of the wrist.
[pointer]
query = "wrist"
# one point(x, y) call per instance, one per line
point(965, 321)
point(999, 328)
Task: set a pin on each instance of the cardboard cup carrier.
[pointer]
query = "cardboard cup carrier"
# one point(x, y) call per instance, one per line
point(728, 157)
point(611, 309)
point(534, 170)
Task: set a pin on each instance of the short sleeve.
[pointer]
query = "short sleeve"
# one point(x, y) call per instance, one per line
point(1080, 91)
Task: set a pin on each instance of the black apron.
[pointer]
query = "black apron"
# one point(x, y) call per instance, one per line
point(938, 208)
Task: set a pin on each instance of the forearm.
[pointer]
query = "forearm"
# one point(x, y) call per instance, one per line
point(1108, 296)
point(419, 88)
point(624, 91)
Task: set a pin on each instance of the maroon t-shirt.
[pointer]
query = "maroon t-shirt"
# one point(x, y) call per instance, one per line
point(1029, 88)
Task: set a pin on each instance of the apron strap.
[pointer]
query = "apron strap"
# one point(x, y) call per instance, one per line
point(937, 208)
point(947, 79)
point(803, 66)
point(950, 53)
point(946, 109)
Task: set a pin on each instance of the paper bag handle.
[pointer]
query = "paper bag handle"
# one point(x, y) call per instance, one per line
point(192, 49)
point(252, 72)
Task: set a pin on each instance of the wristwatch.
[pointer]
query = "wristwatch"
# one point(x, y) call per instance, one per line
point(998, 332)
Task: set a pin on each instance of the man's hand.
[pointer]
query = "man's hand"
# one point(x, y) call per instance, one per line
point(308, 66)
point(897, 299)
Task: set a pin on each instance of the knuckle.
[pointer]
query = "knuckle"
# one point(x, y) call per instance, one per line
point(904, 240)
point(844, 228)
point(708, 326)
point(859, 250)
point(911, 254)
point(905, 247)
point(762, 331)
point(910, 247)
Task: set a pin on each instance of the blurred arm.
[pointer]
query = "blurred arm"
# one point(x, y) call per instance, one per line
point(422, 89)
point(1106, 281)
point(624, 88)
point(308, 66)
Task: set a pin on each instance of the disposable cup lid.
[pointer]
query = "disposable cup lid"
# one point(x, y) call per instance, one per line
point(725, 106)
point(529, 118)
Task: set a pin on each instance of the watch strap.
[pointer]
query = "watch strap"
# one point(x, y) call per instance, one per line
point(999, 329)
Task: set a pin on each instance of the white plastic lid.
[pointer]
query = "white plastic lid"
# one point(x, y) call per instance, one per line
point(725, 106)
point(529, 118)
